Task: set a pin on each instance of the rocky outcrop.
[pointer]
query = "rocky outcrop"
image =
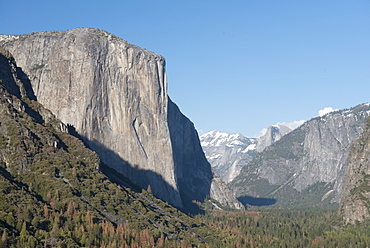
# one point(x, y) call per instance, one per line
point(224, 195)
point(21, 136)
point(13, 78)
point(17, 84)
point(355, 198)
point(273, 134)
point(307, 165)
point(115, 95)
point(227, 153)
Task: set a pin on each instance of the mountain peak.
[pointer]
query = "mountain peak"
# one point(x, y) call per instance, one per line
point(273, 134)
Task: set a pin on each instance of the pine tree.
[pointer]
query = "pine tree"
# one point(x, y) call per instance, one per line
point(4, 239)
point(23, 232)
point(149, 189)
point(46, 211)
point(89, 219)
point(70, 209)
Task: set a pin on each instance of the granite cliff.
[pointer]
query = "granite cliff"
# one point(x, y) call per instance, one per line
point(49, 178)
point(355, 198)
point(273, 134)
point(307, 165)
point(115, 95)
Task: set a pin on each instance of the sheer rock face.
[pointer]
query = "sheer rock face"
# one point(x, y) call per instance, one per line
point(193, 172)
point(115, 95)
point(355, 198)
point(273, 134)
point(314, 154)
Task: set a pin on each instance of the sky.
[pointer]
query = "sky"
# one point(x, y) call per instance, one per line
point(233, 66)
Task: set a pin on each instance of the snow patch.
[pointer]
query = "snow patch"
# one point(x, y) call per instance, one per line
point(7, 37)
point(327, 194)
point(217, 138)
point(250, 148)
point(214, 156)
point(215, 205)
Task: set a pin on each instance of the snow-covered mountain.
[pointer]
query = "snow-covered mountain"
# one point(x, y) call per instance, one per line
point(228, 153)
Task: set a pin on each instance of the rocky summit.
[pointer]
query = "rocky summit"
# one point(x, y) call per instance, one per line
point(115, 96)
point(273, 134)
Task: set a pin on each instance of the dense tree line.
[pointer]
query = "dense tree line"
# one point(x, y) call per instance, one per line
point(286, 228)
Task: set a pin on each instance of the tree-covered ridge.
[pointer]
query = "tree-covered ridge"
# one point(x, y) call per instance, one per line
point(52, 193)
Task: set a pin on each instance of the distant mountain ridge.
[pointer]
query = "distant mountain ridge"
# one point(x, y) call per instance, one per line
point(307, 165)
point(227, 153)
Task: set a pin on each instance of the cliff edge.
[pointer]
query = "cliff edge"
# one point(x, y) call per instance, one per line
point(355, 197)
point(115, 95)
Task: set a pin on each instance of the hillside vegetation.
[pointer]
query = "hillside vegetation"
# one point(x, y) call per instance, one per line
point(53, 192)
point(264, 227)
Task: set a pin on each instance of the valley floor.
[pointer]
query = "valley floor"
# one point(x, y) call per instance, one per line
point(271, 227)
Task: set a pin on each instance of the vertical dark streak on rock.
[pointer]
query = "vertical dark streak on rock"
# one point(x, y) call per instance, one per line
point(138, 138)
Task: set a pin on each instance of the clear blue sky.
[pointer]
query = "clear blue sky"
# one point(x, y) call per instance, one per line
point(234, 66)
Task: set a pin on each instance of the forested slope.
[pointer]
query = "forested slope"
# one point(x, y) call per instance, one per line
point(53, 192)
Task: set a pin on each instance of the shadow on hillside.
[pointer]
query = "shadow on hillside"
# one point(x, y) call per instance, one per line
point(15, 86)
point(192, 170)
point(256, 201)
point(17, 82)
point(120, 171)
